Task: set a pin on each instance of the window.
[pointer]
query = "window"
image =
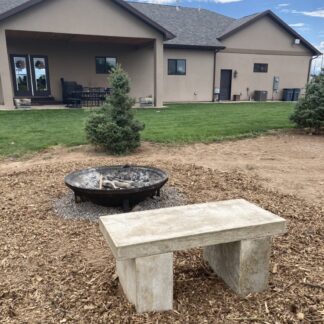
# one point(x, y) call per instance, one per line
point(260, 67)
point(105, 64)
point(176, 67)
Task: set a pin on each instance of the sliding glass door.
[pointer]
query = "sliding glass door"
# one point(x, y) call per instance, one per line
point(30, 75)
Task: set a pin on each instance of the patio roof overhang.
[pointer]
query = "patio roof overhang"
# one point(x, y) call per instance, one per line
point(17, 34)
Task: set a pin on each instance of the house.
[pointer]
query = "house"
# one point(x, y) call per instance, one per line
point(171, 53)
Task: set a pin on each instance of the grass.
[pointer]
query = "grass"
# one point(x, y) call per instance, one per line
point(28, 131)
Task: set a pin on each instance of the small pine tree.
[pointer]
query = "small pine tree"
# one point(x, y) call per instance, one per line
point(309, 111)
point(113, 127)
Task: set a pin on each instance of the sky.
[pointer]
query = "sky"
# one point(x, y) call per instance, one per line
point(305, 16)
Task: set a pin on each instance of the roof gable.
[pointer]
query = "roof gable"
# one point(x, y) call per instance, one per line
point(240, 24)
point(10, 8)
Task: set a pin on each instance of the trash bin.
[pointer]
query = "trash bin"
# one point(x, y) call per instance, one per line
point(296, 94)
point(288, 94)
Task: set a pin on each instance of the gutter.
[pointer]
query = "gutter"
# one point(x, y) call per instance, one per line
point(193, 47)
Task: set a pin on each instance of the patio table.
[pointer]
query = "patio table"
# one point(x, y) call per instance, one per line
point(91, 97)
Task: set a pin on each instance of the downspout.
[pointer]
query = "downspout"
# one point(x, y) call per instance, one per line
point(214, 76)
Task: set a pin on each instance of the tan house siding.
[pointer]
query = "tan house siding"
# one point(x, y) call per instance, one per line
point(6, 91)
point(102, 18)
point(264, 34)
point(291, 70)
point(263, 42)
point(197, 84)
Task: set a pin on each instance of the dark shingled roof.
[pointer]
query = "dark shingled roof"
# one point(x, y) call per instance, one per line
point(6, 5)
point(192, 26)
point(204, 28)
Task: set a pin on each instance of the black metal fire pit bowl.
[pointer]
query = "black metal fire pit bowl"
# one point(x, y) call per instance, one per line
point(86, 185)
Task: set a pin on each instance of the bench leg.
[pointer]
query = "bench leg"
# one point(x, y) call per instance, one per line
point(243, 265)
point(148, 282)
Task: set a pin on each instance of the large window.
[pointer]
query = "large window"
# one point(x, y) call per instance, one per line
point(260, 67)
point(176, 67)
point(105, 64)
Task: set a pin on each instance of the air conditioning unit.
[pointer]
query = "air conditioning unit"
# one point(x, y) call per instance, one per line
point(260, 95)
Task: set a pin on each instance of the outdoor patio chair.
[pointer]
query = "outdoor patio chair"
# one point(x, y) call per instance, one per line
point(69, 89)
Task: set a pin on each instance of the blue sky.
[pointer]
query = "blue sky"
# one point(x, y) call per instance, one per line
point(305, 16)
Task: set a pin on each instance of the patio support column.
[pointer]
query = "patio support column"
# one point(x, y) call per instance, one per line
point(158, 73)
point(5, 78)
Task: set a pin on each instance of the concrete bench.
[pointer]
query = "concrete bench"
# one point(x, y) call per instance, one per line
point(235, 234)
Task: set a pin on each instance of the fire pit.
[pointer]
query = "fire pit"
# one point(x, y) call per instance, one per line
point(118, 185)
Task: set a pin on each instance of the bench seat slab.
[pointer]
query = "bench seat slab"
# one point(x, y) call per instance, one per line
point(148, 282)
point(140, 234)
point(243, 265)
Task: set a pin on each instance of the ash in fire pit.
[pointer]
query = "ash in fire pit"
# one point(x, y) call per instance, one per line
point(116, 185)
point(127, 178)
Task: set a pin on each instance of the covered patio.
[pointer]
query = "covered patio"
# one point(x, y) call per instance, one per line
point(45, 41)
point(40, 61)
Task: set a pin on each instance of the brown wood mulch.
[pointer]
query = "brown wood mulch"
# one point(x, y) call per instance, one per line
point(61, 271)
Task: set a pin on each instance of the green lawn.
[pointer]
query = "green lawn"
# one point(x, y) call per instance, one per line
point(27, 131)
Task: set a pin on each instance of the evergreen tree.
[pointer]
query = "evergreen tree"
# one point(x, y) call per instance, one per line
point(113, 127)
point(309, 111)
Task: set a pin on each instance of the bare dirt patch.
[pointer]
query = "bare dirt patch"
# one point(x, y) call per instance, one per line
point(55, 270)
point(290, 163)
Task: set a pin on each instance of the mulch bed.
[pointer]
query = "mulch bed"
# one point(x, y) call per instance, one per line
point(56, 270)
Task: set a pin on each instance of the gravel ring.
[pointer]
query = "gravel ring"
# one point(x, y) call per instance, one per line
point(67, 208)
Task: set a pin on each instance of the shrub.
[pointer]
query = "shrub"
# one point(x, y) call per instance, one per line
point(113, 127)
point(309, 111)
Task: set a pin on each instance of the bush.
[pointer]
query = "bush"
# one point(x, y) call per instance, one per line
point(309, 111)
point(113, 127)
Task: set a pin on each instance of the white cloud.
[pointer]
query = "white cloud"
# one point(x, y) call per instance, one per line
point(321, 47)
point(283, 7)
point(297, 25)
point(316, 13)
point(227, 1)
point(179, 1)
point(159, 1)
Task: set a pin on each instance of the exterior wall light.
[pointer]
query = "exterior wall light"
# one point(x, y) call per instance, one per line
point(235, 74)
